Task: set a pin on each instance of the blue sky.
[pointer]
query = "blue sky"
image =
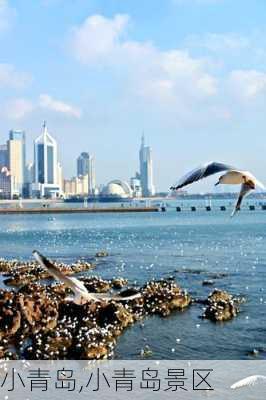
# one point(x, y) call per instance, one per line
point(191, 74)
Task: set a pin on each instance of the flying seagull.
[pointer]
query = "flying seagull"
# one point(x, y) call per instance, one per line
point(249, 381)
point(81, 294)
point(232, 176)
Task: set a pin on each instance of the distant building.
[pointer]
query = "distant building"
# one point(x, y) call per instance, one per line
point(3, 155)
point(60, 178)
point(86, 167)
point(46, 166)
point(116, 190)
point(77, 186)
point(135, 185)
point(29, 179)
point(16, 161)
point(146, 170)
point(5, 183)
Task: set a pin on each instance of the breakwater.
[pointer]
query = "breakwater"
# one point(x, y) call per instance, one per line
point(61, 210)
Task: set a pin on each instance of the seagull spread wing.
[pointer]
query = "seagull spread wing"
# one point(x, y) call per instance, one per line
point(249, 381)
point(255, 180)
point(244, 190)
point(81, 293)
point(201, 172)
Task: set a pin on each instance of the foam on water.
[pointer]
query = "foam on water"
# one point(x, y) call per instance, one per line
point(188, 247)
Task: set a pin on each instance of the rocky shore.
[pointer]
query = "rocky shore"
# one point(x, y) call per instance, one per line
point(38, 322)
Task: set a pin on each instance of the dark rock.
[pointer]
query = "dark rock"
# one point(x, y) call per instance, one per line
point(208, 282)
point(221, 306)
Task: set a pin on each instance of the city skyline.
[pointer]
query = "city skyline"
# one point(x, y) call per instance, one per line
point(44, 176)
point(191, 74)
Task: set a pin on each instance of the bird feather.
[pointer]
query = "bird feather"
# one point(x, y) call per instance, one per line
point(201, 172)
point(80, 291)
point(249, 381)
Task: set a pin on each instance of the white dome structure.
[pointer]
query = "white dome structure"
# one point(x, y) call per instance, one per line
point(117, 188)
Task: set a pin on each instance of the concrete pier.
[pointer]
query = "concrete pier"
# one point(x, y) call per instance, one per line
point(61, 210)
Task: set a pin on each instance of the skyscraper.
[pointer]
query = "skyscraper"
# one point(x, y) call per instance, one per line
point(86, 166)
point(16, 161)
point(3, 155)
point(146, 172)
point(5, 183)
point(5, 178)
point(46, 166)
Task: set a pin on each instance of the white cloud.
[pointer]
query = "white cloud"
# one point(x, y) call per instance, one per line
point(18, 108)
point(219, 42)
point(248, 84)
point(173, 82)
point(49, 103)
point(148, 71)
point(10, 77)
point(98, 37)
point(6, 15)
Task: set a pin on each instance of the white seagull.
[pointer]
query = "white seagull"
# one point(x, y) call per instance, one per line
point(81, 294)
point(232, 176)
point(249, 381)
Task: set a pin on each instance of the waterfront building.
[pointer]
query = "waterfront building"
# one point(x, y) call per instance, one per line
point(116, 191)
point(46, 182)
point(5, 183)
point(86, 167)
point(16, 161)
point(135, 185)
point(77, 186)
point(60, 177)
point(146, 169)
point(3, 155)
point(29, 179)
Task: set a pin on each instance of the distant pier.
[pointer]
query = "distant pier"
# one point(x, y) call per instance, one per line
point(65, 210)
point(209, 208)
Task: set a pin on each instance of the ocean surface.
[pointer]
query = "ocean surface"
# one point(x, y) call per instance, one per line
point(145, 246)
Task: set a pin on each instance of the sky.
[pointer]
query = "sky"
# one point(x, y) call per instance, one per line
point(190, 74)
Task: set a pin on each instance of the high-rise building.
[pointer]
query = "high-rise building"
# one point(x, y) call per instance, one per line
point(135, 185)
point(5, 177)
point(86, 166)
point(16, 161)
point(146, 171)
point(5, 183)
point(60, 178)
point(77, 186)
point(83, 164)
point(46, 166)
point(29, 179)
point(3, 155)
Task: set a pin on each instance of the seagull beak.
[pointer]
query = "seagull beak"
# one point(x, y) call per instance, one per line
point(217, 183)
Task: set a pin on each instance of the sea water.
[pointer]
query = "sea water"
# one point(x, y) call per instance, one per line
point(184, 246)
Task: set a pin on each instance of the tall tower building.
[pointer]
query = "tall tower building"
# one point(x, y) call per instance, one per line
point(3, 155)
point(86, 166)
point(146, 171)
point(16, 160)
point(46, 166)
